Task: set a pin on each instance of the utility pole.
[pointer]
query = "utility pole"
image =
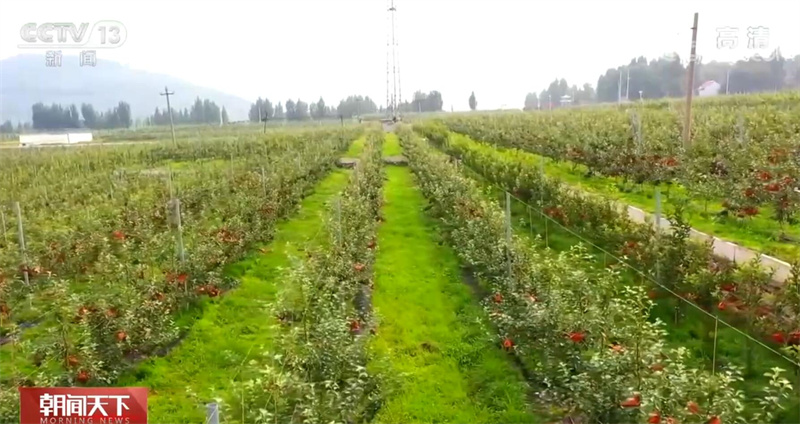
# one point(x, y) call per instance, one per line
point(687, 128)
point(619, 88)
point(727, 80)
point(628, 86)
point(266, 111)
point(169, 108)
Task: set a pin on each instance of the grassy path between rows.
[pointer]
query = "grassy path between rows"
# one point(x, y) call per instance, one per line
point(433, 332)
point(391, 146)
point(213, 359)
point(356, 148)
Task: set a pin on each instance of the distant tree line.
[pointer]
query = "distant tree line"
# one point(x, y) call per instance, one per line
point(752, 76)
point(422, 102)
point(554, 93)
point(7, 128)
point(299, 110)
point(57, 116)
point(296, 111)
point(202, 112)
point(264, 108)
point(117, 117)
point(666, 77)
point(356, 106)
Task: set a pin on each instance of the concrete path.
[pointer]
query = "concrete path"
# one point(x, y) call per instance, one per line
point(722, 248)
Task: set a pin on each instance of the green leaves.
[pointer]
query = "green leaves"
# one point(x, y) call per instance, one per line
point(323, 353)
point(585, 332)
point(106, 281)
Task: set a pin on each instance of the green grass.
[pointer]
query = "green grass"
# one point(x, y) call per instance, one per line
point(760, 233)
point(432, 331)
point(213, 359)
point(391, 146)
point(356, 148)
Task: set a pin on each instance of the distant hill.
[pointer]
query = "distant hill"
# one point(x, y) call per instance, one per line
point(25, 80)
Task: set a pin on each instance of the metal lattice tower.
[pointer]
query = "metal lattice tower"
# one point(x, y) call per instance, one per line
point(394, 99)
point(397, 61)
point(388, 48)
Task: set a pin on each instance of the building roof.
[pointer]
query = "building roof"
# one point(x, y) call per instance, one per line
point(707, 84)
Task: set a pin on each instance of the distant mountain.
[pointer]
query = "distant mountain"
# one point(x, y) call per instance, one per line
point(25, 80)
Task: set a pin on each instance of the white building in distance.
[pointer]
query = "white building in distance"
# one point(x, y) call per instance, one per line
point(51, 139)
point(708, 88)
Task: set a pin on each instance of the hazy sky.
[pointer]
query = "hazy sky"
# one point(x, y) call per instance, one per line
point(501, 49)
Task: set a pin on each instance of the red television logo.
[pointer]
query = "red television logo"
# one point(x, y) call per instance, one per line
point(83, 405)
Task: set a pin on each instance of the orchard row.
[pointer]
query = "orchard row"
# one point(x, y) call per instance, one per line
point(112, 259)
point(584, 332)
point(743, 153)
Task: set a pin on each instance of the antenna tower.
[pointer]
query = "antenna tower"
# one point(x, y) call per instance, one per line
point(394, 99)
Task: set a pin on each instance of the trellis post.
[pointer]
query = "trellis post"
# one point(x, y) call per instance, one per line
point(264, 181)
point(212, 413)
point(5, 231)
point(176, 211)
point(508, 233)
point(21, 239)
